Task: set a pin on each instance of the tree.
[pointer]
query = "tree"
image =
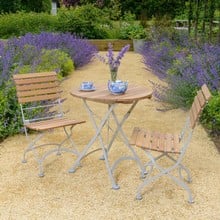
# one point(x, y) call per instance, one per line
point(69, 3)
point(156, 8)
point(36, 6)
point(10, 6)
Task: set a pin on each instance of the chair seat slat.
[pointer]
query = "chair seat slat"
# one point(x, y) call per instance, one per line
point(155, 141)
point(52, 123)
point(134, 136)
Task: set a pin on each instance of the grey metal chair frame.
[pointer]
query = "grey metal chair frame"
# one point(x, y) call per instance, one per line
point(168, 145)
point(37, 91)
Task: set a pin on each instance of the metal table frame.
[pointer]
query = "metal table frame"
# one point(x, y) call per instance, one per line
point(105, 147)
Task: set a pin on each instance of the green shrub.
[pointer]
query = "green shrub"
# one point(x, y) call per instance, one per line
point(10, 117)
point(49, 60)
point(37, 6)
point(87, 21)
point(20, 23)
point(211, 115)
point(132, 31)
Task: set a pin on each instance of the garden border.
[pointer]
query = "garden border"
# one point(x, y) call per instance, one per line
point(102, 44)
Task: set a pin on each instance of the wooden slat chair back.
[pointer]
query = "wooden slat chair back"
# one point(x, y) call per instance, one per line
point(168, 144)
point(40, 92)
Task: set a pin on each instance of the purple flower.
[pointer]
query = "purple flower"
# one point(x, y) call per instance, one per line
point(113, 62)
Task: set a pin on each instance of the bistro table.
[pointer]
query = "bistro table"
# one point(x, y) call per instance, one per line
point(101, 94)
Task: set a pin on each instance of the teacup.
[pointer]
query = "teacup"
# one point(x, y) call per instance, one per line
point(86, 85)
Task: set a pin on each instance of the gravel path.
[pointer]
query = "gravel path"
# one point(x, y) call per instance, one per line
point(87, 193)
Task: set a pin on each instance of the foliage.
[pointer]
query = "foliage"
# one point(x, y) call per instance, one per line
point(30, 5)
point(130, 28)
point(49, 60)
point(114, 9)
point(18, 52)
point(20, 23)
point(87, 21)
point(10, 6)
point(211, 115)
point(184, 68)
point(201, 15)
point(10, 118)
point(31, 53)
point(69, 3)
point(36, 6)
point(195, 63)
point(132, 31)
point(150, 8)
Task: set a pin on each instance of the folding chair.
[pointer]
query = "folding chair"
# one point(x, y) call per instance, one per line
point(39, 94)
point(171, 146)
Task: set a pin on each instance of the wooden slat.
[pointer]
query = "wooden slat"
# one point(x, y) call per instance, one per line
point(134, 136)
point(37, 92)
point(201, 98)
point(192, 118)
point(176, 144)
point(162, 142)
point(206, 92)
point(167, 142)
point(156, 141)
point(170, 143)
point(52, 123)
point(37, 86)
point(142, 138)
point(35, 80)
point(194, 111)
point(38, 98)
point(32, 75)
point(33, 87)
point(197, 105)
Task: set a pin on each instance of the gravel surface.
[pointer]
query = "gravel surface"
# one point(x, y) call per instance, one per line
point(87, 193)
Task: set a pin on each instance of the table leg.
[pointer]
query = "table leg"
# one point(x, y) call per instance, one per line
point(85, 150)
point(92, 118)
point(126, 142)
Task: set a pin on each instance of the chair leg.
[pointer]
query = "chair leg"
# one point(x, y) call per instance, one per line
point(58, 149)
point(182, 167)
point(165, 172)
point(189, 178)
point(183, 185)
point(41, 171)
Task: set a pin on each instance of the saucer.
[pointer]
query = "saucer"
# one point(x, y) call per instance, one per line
point(87, 90)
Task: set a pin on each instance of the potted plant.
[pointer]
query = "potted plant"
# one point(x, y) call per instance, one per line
point(115, 85)
point(135, 32)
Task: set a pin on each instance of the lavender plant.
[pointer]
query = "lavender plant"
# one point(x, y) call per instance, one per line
point(184, 69)
point(21, 53)
point(18, 52)
point(185, 66)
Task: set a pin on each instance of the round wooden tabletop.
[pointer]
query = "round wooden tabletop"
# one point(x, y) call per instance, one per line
point(101, 94)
